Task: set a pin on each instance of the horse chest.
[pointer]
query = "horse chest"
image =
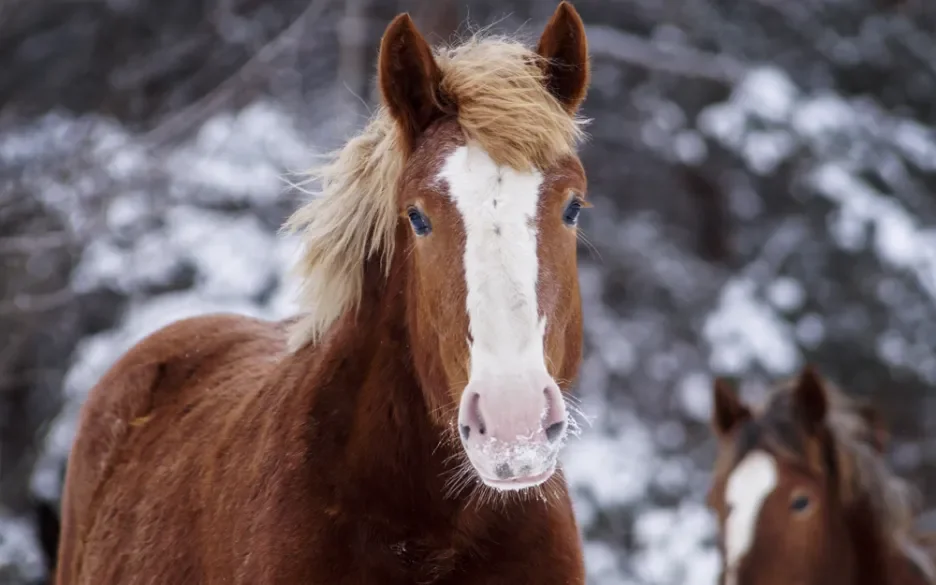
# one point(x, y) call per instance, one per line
point(393, 562)
point(424, 564)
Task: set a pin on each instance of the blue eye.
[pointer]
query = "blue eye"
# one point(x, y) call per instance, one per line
point(419, 222)
point(571, 213)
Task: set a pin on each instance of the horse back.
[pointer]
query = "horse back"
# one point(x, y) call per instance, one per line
point(148, 433)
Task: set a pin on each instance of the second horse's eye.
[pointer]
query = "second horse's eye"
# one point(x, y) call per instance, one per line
point(572, 210)
point(799, 503)
point(419, 222)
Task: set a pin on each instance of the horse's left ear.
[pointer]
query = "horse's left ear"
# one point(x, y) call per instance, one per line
point(409, 78)
point(810, 399)
point(565, 50)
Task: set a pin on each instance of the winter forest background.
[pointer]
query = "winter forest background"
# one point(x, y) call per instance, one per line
point(762, 173)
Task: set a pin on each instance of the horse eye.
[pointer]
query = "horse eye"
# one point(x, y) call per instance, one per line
point(799, 503)
point(419, 222)
point(571, 213)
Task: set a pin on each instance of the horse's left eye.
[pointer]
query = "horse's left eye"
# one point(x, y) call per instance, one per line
point(419, 222)
point(799, 503)
point(572, 210)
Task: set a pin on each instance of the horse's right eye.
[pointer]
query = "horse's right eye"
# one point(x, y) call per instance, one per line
point(419, 222)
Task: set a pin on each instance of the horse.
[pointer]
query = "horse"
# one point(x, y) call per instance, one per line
point(803, 494)
point(405, 426)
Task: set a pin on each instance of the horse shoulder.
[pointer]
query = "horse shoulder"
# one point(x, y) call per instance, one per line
point(171, 361)
point(176, 364)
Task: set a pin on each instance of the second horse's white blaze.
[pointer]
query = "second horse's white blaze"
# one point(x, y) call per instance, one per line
point(749, 485)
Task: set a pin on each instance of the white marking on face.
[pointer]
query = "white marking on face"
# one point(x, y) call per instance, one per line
point(748, 486)
point(498, 206)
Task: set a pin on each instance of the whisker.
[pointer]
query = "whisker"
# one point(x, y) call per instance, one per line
point(591, 247)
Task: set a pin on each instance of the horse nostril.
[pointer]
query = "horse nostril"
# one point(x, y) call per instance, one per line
point(554, 431)
point(472, 420)
point(554, 419)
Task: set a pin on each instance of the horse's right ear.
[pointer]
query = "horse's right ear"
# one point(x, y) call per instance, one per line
point(727, 409)
point(409, 78)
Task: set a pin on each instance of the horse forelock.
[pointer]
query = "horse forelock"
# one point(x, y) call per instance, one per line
point(503, 105)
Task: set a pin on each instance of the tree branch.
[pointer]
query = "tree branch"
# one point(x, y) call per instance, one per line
point(683, 61)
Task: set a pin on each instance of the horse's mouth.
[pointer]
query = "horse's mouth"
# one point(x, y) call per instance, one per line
point(518, 483)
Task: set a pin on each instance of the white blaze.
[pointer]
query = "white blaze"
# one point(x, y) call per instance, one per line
point(498, 206)
point(748, 486)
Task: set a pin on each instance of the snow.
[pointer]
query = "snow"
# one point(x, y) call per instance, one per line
point(725, 123)
point(745, 331)
point(810, 330)
point(668, 546)
point(849, 135)
point(917, 143)
point(603, 564)
point(695, 395)
point(786, 294)
point(690, 147)
point(243, 157)
point(820, 117)
point(766, 121)
point(20, 559)
point(898, 239)
point(765, 151)
point(767, 92)
point(611, 470)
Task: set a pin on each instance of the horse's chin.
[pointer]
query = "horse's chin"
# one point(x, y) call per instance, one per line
point(518, 483)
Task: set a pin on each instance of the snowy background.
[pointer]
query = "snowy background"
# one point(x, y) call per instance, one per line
point(762, 173)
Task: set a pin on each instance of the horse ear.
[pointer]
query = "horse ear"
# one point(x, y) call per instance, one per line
point(565, 50)
point(727, 409)
point(409, 78)
point(810, 399)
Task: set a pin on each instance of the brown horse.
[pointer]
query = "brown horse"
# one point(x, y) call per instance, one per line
point(803, 494)
point(405, 429)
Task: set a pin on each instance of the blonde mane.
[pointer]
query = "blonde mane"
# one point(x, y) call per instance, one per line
point(864, 473)
point(503, 105)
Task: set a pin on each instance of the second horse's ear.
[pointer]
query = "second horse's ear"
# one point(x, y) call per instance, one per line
point(727, 409)
point(810, 399)
point(564, 48)
point(409, 78)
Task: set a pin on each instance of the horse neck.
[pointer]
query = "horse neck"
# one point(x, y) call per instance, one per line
point(370, 422)
point(875, 558)
point(879, 558)
point(912, 561)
